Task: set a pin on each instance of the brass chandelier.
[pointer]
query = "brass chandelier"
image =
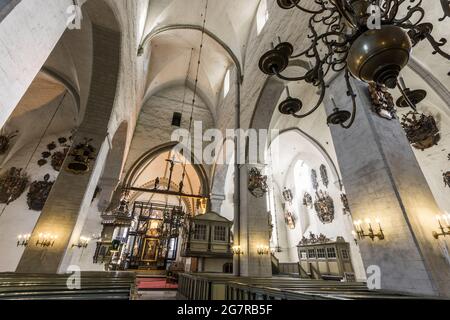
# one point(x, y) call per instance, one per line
point(372, 51)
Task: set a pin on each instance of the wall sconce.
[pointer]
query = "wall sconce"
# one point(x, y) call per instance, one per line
point(83, 243)
point(46, 240)
point(262, 250)
point(371, 234)
point(443, 233)
point(237, 250)
point(23, 240)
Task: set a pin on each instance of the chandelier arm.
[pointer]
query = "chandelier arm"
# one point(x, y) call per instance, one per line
point(433, 42)
point(437, 46)
point(410, 14)
point(331, 43)
point(336, 25)
point(316, 37)
point(328, 69)
point(332, 22)
point(391, 11)
point(352, 94)
point(319, 102)
point(328, 18)
point(323, 9)
point(320, 78)
point(338, 66)
point(279, 75)
point(298, 55)
point(340, 7)
point(338, 34)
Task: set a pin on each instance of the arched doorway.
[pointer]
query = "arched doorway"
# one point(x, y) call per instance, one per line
point(301, 170)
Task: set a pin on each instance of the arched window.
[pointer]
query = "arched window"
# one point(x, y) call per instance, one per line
point(226, 83)
point(262, 16)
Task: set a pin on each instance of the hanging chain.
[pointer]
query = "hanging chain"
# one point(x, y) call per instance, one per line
point(186, 82)
point(46, 129)
point(41, 138)
point(194, 98)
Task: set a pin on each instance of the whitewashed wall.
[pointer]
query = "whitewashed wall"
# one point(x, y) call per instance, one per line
point(17, 218)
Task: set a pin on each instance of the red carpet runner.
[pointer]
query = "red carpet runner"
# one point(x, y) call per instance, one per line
point(155, 284)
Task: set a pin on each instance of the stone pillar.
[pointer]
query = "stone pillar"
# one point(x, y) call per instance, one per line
point(254, 230)
point(383, 179)
point(61, 216)
point(108, 186)
point(28, 35)
point(216, 201)
point(66, 208)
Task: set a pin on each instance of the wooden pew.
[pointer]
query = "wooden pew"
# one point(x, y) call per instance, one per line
point(94, 286)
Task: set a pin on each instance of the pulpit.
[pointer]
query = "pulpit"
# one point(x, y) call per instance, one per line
point(209, 240)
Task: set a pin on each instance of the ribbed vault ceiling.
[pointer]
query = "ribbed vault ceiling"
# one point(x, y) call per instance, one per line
point(173, 28)
point(42, 91)
point(170, 56)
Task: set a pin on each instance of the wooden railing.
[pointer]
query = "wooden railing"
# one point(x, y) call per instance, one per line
point(220, 287)
point(288, 268)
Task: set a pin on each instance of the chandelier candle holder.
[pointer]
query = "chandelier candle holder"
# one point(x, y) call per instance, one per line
point(237, 250)
point(23, 240)
point(444, 229)
point(370, 48)
point(262, 250)
point(362, 234)
point(46, 240)
point(82, 243)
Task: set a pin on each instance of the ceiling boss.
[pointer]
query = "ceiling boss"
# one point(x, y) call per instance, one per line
point(368, 40)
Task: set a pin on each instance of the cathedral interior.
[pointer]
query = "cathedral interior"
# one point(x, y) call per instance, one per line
point(225, 150)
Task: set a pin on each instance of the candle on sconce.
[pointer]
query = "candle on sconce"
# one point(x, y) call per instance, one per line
point(439, 220)
point(378, 222)
point(372, 234)
point(22, 240)
point(445, 217)
point(46, 240)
